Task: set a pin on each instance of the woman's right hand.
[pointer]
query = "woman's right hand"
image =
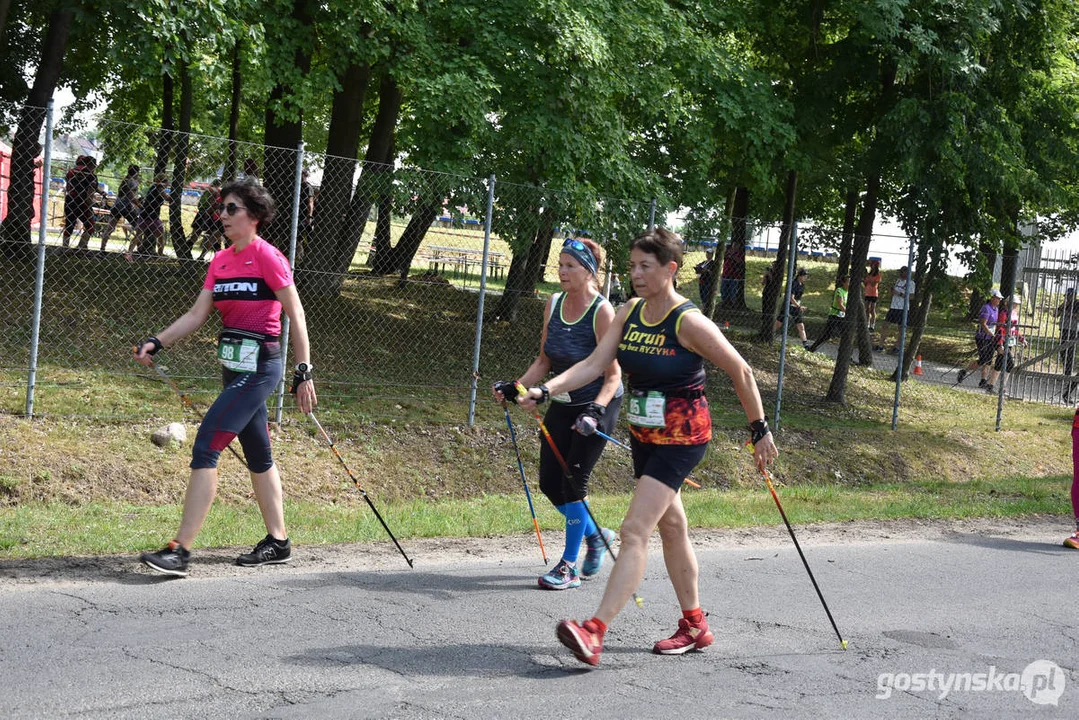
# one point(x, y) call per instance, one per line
point(144, 352)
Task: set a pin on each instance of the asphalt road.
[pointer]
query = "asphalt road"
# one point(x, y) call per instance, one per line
point(352, 632)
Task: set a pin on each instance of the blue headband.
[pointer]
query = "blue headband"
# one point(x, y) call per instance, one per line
point(580, 252)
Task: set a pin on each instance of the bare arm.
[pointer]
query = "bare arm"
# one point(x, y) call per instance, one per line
point(699, 334)
point(612, 377)
point(183, 326)
point(588, 369)
point(301, 347)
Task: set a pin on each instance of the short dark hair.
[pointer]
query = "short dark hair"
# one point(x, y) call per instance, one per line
point(661, 242)
point(258, 201)
point(842, 279)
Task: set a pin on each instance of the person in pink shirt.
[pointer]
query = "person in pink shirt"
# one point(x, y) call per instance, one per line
point(249, 283)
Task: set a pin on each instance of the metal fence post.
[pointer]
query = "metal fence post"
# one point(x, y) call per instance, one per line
point(483, 295)
point(786, 322)
point(652, 215)
point(292, 264)
point(903, 335)
point(39, 281)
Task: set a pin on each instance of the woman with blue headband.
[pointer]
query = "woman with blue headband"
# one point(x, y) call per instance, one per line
point(574, 322)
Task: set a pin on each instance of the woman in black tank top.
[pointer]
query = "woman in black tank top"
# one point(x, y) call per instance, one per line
point(668, 419)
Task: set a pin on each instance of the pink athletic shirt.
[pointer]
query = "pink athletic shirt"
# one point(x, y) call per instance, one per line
point(243, 284)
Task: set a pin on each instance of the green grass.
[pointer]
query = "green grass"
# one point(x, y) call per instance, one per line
point(110, 527)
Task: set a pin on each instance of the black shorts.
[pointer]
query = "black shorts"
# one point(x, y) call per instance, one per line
point(796, 316)
point(894, 316)
point(871, 299)
point(986, 348)
point(125, 210)
point(999, 364)
point(670, 464)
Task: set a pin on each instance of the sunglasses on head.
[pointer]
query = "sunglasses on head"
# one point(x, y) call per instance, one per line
point(575, 244)
point(231, 208)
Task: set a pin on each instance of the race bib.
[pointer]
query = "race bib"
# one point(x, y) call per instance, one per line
point(239, 355)
point(647, 410)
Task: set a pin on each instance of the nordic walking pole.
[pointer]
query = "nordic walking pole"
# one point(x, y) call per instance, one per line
point(521, 467)
point(771, 487)
point(522, 390)
point(186, 400)
point(620, 444)
point(358, 486)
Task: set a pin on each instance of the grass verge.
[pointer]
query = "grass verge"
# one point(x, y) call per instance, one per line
point(103, 527)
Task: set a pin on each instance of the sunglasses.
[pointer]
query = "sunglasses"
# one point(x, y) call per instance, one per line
point(576, 245)
point(231, 209)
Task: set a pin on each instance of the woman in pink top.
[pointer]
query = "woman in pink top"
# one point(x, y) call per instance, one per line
point(871, 282)
point(249, 283)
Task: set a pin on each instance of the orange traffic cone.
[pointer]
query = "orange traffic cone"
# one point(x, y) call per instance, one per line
point(918, 366)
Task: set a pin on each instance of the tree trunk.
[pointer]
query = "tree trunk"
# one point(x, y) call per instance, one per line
point(284, 131)
point(859, 252)
point(402, 254)
point(981, 279)
point(738, 240)
point(5, 6)
point(342, 148)
point(24, 146)
point(382, 243)
point(164, 137)
point(926, 281)
point(850, 214)
point(180, 242)
point(778, 277)
point(521, 277)
point(231, 161)
point(378, 161)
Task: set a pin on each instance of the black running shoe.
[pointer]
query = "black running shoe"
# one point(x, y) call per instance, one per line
point(269, 551)
point(963, 375)
point(167, 561)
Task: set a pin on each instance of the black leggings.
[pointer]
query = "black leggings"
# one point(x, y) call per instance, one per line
point(580, 452)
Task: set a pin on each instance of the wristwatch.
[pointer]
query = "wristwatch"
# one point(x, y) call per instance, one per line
point(304, 368)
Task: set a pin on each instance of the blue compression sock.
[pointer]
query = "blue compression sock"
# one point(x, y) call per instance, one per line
point(578, 526)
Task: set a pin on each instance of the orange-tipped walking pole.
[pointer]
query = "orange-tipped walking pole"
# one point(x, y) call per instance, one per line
point(565, 468)
point(772, 489)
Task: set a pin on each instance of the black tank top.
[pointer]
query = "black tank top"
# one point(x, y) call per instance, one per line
point(651, 356)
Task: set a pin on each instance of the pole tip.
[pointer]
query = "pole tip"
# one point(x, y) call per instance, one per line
point(640, 602)
point(844, 643)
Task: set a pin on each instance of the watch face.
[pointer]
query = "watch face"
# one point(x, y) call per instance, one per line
point(303, 367)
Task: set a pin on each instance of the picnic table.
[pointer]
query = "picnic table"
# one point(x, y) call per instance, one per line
point(461, 260)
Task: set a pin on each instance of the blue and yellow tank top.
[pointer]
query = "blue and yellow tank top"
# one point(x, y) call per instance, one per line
point(570, 342)
point(654, 362)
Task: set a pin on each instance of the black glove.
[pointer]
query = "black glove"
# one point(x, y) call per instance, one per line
point(508, 390)
point(299, 377)
point(152, 341)
point(588, 421)
point(758, 429)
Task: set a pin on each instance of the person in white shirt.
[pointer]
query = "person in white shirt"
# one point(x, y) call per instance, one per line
point(895, 311)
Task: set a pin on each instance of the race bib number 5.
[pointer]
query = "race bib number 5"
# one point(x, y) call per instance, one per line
point(647, 410)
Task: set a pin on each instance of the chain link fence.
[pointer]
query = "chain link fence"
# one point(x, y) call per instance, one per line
point(420, 288)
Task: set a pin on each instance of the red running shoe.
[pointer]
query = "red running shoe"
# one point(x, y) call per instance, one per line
point(583, 640)
point(1072, 541)
point(687, 637)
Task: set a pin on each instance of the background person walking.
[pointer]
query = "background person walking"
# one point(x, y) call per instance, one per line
point(1068, 312)
point(833, 326)
point(983, 339)
point(249, 283)
point(575, 321)
point(894, 318)
point(661, 341)
point(126, 206)
point(871, 283)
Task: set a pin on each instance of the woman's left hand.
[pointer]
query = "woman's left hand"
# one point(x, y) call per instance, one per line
point(764, 452)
